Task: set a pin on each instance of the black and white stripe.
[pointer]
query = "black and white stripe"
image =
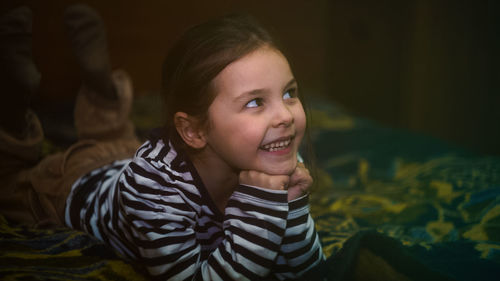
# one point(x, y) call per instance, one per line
point(154, 210)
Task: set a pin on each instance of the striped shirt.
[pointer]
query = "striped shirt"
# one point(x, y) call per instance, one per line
point(154, 210)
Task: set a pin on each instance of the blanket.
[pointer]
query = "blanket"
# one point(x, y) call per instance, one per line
point(388, 205)
point(426, 207)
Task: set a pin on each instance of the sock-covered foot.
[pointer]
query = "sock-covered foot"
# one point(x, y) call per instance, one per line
point(19, 77)
point(88, 40)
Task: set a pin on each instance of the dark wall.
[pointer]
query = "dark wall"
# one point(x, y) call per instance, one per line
point(429, 66)
point(140, 34)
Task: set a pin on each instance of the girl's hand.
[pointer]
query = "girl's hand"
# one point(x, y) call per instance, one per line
point(259, 179)
point(299, 183)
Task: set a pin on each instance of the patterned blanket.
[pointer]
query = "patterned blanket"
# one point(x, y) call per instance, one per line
point(430, 202)
point(388, 205)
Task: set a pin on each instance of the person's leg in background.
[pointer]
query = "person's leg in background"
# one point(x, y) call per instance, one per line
point(105, 132)
point(21, 134)
point(105, 98)
point(101, 120)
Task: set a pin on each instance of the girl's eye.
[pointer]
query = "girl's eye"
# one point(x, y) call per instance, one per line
point(254, 103)
point(291, 93)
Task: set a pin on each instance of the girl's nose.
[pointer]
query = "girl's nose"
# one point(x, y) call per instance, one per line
point(282, 115)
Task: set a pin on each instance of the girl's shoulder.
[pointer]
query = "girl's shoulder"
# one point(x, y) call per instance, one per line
point(162, 154)
point(160, 168)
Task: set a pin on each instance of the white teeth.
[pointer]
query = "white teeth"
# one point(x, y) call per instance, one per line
point(275, 146)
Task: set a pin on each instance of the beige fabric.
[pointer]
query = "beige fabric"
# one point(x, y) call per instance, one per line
point(36, 195)
point(16, 159)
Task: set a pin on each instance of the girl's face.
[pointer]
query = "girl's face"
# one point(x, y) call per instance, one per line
point(256, 119)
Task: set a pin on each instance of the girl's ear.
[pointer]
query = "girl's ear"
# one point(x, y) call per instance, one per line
point(190, 130)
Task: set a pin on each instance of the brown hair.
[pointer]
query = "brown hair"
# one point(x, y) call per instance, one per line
point(200, 55)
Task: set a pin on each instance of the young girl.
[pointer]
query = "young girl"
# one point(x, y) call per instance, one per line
point(218, 192)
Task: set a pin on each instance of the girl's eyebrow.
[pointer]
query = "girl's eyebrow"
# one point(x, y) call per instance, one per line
point(257, 92)
point(290, 83)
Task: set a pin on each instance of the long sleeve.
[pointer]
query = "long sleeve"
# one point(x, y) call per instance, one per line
point(301, 249)
point(155, 211)
point(254, 225)
point(163, 221)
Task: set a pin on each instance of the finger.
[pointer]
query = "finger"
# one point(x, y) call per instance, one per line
point(300, 172)
point(256, 178)
point(301, 178)
point(281, 182)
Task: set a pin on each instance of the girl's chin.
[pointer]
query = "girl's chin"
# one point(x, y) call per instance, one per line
point(280, 169)
point(278, 163)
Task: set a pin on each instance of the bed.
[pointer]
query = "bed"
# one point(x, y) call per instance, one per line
point(388, 205)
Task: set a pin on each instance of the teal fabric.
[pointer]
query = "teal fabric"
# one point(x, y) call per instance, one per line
point(439, 201)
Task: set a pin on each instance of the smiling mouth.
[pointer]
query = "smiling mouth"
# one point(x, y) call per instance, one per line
point(277, 145)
